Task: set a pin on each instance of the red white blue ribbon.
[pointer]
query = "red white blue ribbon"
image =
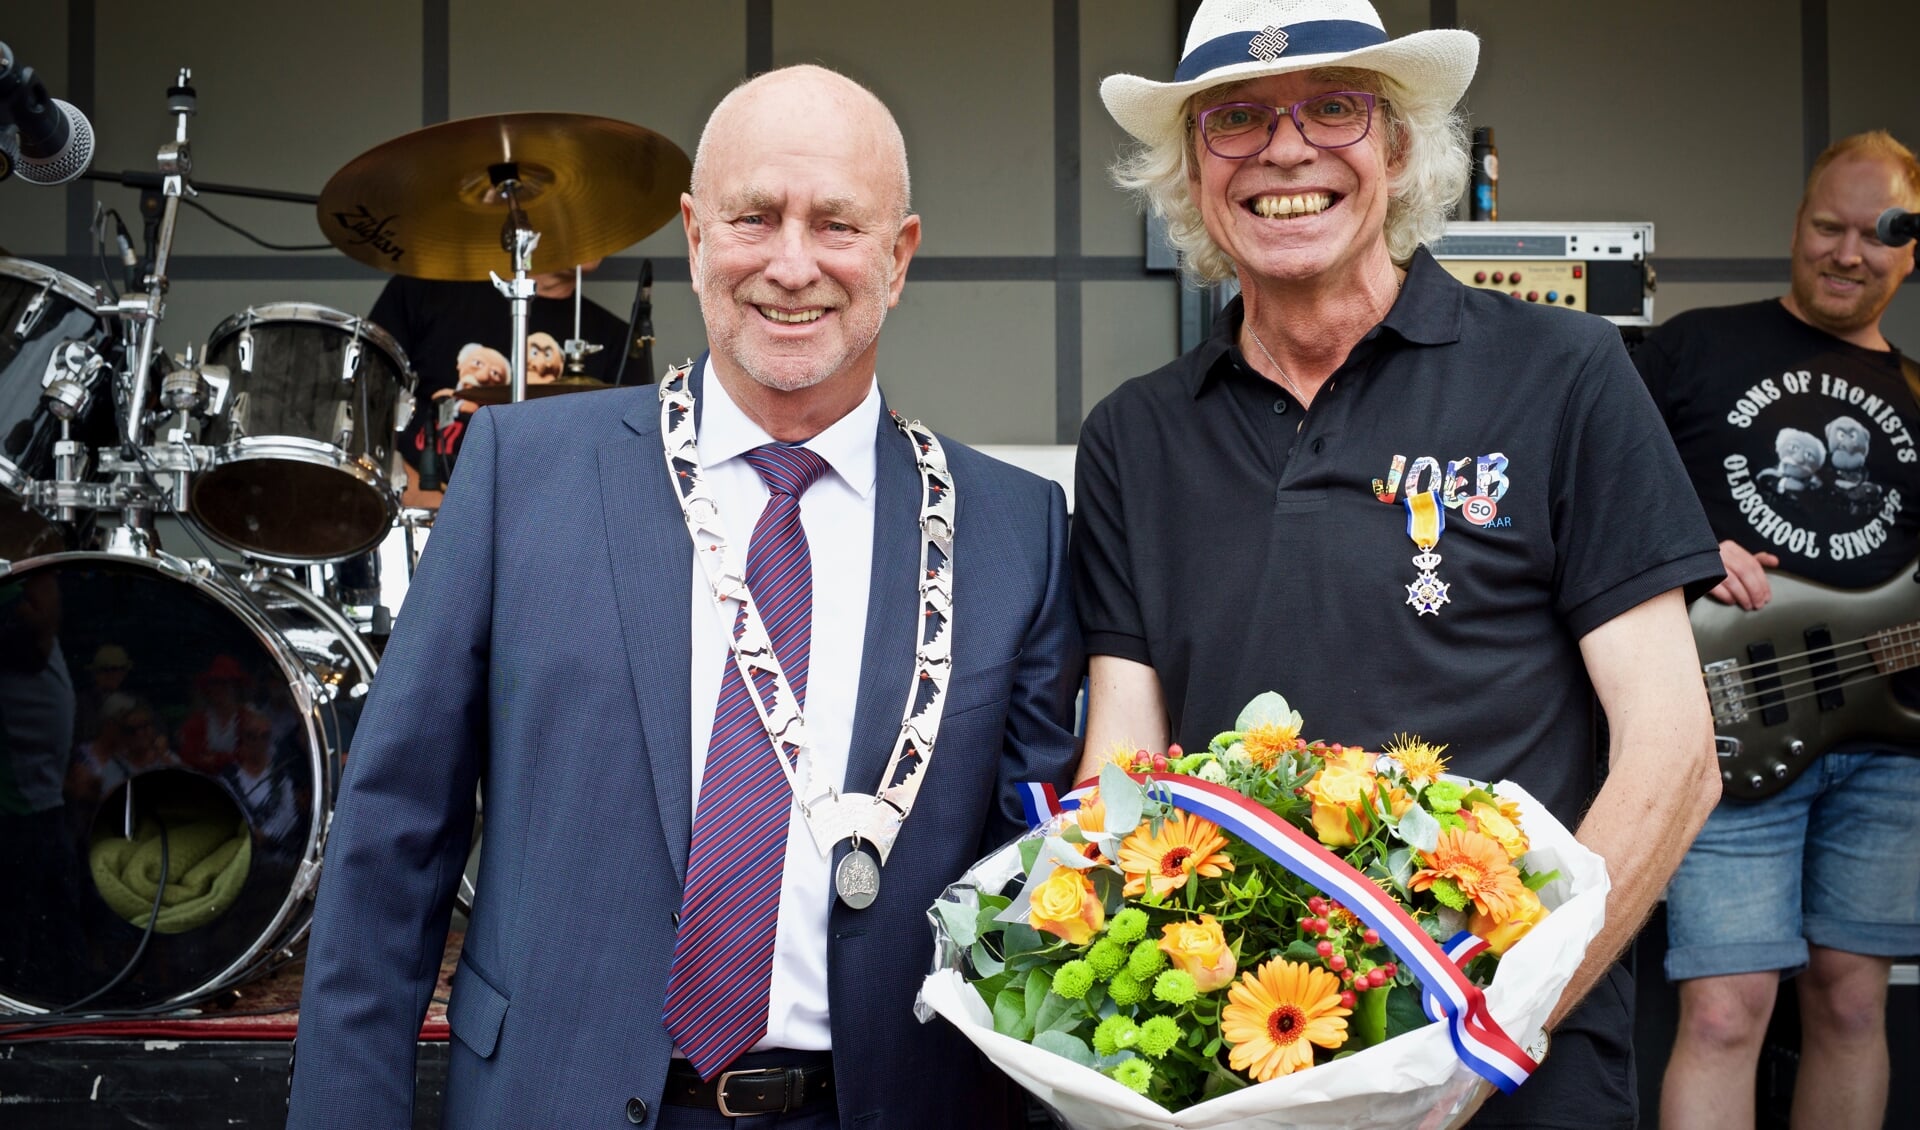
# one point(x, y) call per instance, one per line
point(1477, 1038)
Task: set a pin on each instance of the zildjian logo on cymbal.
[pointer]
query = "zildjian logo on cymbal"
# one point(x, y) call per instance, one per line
point(371, 230)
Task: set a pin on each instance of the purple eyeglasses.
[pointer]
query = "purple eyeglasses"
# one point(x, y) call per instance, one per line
point(1238, 130)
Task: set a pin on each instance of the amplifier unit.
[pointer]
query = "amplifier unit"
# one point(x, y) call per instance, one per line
point(1601, 268)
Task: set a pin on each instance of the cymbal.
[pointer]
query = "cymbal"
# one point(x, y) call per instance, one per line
point(503, 394)
point(425, 204)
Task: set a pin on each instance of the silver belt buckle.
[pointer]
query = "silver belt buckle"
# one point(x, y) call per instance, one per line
point(787, 1104)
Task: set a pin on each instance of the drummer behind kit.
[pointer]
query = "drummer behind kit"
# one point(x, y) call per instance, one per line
point(191, 716)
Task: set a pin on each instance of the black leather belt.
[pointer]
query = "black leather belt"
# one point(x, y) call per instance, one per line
point(753, 1090)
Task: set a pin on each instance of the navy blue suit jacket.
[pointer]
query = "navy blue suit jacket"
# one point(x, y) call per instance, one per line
point(543, 655)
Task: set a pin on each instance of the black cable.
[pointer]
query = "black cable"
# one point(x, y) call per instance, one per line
point(236, 228)
point(146, 935)
point(100, 249)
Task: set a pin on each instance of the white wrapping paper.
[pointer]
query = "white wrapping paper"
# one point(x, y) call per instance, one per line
point(1413, 1080)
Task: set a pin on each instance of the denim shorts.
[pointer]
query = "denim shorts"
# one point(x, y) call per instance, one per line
point(1834, 859)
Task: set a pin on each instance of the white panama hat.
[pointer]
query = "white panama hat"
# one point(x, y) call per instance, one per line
point(1235, 40)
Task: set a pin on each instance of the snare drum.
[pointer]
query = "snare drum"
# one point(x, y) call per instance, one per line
point(40, 310)
point(224, 713)
point(303, 443)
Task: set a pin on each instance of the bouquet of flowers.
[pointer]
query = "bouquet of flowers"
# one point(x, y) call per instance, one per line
point(1268, 932)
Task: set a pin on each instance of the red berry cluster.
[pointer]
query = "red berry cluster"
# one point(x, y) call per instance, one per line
point(1342, 945)
point(1145, 761)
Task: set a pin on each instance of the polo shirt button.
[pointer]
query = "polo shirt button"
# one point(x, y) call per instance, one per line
point(1280, 406)
point(636, 1111)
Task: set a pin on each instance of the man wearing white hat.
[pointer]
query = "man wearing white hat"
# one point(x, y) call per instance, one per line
point(1403, 503)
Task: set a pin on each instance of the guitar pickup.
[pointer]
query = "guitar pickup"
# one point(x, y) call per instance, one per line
point(1724, 692)
point(1766, 684)
point(1825, 671)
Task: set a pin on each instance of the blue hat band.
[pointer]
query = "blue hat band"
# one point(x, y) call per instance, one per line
point(1313, 37)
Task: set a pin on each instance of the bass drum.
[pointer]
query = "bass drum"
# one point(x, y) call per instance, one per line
point(40, 311)
point(149, 702)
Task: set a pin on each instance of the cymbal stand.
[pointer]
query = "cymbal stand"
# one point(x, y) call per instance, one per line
point(577, 348)
point(518, 239)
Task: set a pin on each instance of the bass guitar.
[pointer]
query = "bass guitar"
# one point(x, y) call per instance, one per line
point(1803, 674)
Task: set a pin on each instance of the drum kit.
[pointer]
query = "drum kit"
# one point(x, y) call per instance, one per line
point(173, 728)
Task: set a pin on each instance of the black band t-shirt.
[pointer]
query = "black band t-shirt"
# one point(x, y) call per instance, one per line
point(453, 328)
point(1800, 444)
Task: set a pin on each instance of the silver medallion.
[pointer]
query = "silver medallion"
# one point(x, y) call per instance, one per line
point(857, 879)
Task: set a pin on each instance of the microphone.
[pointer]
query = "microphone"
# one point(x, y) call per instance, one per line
point(55, 142)
point(1897, 227)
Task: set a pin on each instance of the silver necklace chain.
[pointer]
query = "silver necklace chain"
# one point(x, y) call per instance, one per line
point(830, 815)
point(1291, 387)
point(1399, 281)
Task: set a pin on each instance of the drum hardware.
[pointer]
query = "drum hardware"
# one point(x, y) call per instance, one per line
point(503, 394)
point(519, 239)
point(572, 188)
point(176, 167)
point(576, 348)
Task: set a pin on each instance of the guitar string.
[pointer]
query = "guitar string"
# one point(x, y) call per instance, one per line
point(1903, 635)
point(1844, 675)
point(1802, 697)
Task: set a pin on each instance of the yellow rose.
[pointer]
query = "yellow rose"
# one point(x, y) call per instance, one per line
point(1065, 906)
point(1330, 824)
point(1342, 786)
point(1495, 824)
point(1200, 950)
point(1500, 936)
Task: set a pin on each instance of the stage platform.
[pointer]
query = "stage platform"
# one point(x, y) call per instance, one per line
point(224, 1067)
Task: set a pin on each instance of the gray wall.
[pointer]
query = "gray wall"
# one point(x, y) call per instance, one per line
point(1029, 300)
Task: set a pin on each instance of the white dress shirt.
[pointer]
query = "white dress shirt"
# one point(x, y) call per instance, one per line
point(837, 513)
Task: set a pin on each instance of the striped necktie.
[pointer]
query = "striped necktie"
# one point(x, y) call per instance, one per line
point(723, 956)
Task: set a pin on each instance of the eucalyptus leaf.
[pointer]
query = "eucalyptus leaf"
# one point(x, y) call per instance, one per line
point(1400, 866)
point(960, 921)
point(1065, 1046)
point(1124, 800)
point(1110, 888)
point(1418, 829)
point(1266, 709)
point(1029, 851)
point(984, 963)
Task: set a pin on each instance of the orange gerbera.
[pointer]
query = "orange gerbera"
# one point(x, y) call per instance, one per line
point(1478, 866)
point(1186, 844)
point(1273, 1018)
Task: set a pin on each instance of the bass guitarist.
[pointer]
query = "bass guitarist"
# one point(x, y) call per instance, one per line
point(1797, 421)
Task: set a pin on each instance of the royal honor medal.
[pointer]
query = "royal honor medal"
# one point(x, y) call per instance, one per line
point(1426, 521)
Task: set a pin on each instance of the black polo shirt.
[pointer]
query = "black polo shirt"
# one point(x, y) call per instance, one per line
point(1238, 544)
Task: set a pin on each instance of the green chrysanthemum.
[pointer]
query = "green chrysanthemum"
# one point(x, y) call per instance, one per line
point(1126, 989)
point(1073, 979)
point(1158, 1035)
point(1128, 926)
point(1135, 1075)
point(1175, 986)
point(1444, 796)
point(1115, 1034)
point(1106, 957)
point(1146, 960)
